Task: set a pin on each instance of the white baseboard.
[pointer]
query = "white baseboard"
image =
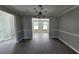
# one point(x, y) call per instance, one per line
point(69, 45)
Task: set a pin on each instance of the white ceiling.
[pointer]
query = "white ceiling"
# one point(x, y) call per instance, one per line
point(52, 10)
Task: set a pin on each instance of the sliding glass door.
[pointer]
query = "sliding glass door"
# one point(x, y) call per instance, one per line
point(7, 26)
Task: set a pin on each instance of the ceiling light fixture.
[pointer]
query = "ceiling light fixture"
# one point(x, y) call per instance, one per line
point(39, 12)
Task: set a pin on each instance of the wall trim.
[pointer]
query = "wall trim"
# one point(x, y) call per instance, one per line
point(12, 9)
point(69, 33)
point(69, 45)
point(70, 9)
point(76, 35)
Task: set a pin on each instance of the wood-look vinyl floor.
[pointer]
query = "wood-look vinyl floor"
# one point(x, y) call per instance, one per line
point(40, 44)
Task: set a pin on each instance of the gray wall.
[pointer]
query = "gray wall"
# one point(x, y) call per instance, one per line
point(19, 27)
point(18, 22)
point(27, 27)
point(69, 29)
point(53, 27)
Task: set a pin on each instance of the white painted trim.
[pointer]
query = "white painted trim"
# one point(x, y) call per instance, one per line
point(70, 9)
point(12, 9)
point(76, 35)
point(68, 45)
point(69, 33)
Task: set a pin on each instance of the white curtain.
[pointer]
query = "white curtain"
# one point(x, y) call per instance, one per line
point(7, 26)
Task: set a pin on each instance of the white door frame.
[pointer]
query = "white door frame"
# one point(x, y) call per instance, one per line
point(37, 20)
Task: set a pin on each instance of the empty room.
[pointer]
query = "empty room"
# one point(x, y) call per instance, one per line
point(39, 29)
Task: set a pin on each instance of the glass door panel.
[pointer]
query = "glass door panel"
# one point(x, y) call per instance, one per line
point(45, 25)
point(40, 25)
point(36, 25)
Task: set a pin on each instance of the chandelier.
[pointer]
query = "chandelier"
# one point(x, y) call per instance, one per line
point(39, 12)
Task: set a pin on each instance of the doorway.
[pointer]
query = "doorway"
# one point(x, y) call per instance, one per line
point(40, 28)
point(40, 25)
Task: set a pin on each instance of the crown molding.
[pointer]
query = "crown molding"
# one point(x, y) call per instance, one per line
point(12, 9)
point(70, 9)
point(16, 11)
point(20, 13)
